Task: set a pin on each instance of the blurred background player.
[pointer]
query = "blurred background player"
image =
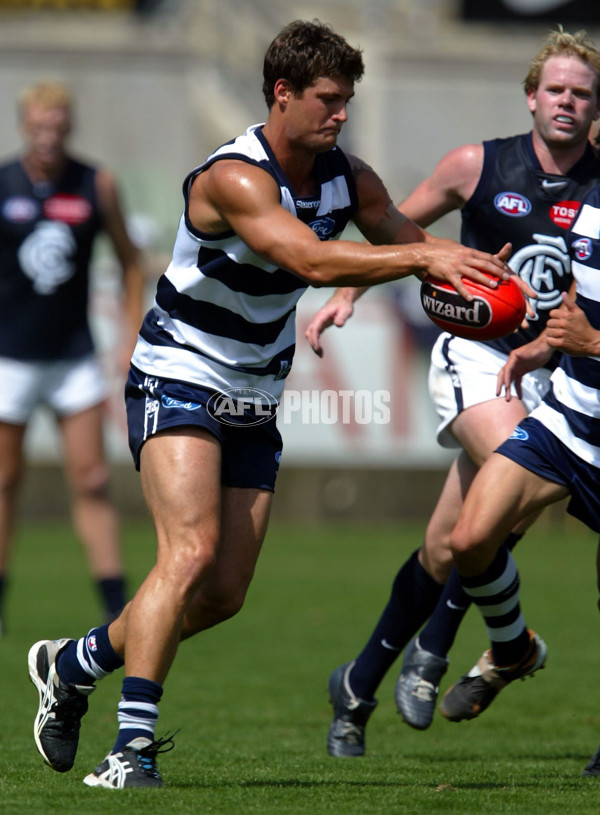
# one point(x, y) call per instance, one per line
point(52, 206)
point(525, 190)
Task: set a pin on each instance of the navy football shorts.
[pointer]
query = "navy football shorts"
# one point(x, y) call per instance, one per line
point(250, 443)
point(534, 447)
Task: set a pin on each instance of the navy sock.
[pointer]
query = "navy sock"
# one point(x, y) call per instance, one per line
point(138, 710)
point(112, 592)
point(414, 595)
point(92, 657)
point(440, 632)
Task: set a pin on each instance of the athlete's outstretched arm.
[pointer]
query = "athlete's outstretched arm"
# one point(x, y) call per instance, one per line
point(235, 195)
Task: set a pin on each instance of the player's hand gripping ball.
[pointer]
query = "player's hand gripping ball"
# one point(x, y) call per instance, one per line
point(493, 313)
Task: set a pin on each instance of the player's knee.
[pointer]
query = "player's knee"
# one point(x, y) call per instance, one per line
point(225, 607)
point(471, 551)
point(219, 600)
point(10, 479)
point(91, 483)
point(436, 554)
point(190, 565)
point(437, 541)
point(211, 609)
point(461, 542)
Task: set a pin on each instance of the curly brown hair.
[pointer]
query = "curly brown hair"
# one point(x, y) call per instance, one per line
point(304, 51)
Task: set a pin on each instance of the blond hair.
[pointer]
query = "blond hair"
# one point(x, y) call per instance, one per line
point(560, 43)
point(46, 94)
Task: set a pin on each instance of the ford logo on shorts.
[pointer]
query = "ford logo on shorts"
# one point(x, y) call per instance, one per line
point(243, 407)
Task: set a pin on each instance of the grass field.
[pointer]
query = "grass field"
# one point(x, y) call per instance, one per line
point(250, 696)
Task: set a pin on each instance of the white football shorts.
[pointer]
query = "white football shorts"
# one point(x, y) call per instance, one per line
point(64, 386)
point(464, 373)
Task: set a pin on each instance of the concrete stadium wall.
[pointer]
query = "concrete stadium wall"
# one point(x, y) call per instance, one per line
point(304, 495)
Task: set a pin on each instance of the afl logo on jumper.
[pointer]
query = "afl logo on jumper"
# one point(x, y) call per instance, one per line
point(20, 209)
point(582, 248)
point(70, 209)
point(512, 204)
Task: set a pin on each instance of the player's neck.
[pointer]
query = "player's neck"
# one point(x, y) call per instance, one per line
point(297, 163)
point(40, 171)
point(557, 160)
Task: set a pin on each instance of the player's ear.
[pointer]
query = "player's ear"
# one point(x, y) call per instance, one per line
point(282, 91)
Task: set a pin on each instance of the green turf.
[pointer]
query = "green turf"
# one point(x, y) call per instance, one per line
point(250, 696)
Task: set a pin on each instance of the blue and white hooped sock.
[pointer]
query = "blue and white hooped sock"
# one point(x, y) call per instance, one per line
point(88, 659)
point(138, 710)
point(496, 594)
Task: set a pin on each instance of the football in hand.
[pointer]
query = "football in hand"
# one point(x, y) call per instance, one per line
point(493, 313)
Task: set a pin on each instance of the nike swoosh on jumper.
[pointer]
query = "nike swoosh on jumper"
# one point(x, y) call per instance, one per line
point(553, 185)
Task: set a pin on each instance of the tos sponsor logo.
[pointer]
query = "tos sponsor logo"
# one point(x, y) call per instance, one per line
point(563, 214)
point(70, 209)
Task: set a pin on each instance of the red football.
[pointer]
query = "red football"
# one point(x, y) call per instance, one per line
point(493, 313)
